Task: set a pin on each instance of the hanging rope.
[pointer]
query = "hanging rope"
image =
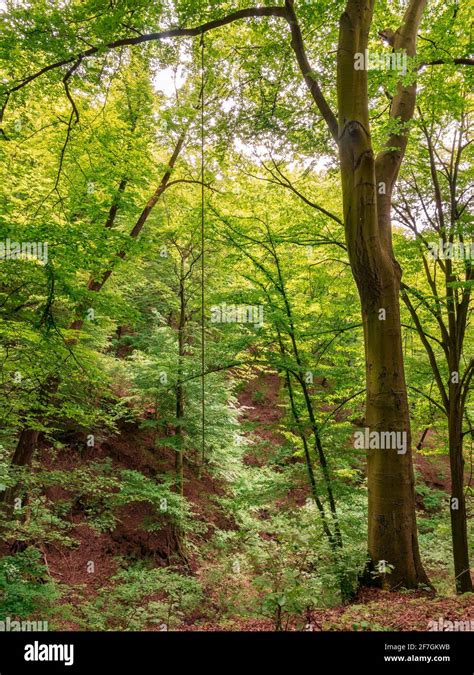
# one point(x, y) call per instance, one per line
point(203, 317)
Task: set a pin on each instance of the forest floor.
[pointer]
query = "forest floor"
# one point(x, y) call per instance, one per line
point(371, 609)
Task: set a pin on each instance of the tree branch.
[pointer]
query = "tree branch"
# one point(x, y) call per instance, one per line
point(428, 348)
point(287, 12)
point(307, 72)
point(403, 105)
point(431, 400)
point(149, 37)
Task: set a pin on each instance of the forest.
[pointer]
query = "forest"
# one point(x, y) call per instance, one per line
point(236, 345)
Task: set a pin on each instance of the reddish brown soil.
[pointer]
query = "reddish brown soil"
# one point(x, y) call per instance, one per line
point(131, 449)
point(261, 407)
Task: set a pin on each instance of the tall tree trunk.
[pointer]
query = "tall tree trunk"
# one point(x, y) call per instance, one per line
point(392, 534)
point(179, 463)
point(458, 502)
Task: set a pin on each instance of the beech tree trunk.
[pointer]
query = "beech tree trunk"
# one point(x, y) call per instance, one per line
point(392, 535)
point(458, 503)
point(179, 460)
point(367, 185)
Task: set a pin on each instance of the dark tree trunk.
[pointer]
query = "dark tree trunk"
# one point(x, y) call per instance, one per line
point(458, 502)
point(23, 455)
